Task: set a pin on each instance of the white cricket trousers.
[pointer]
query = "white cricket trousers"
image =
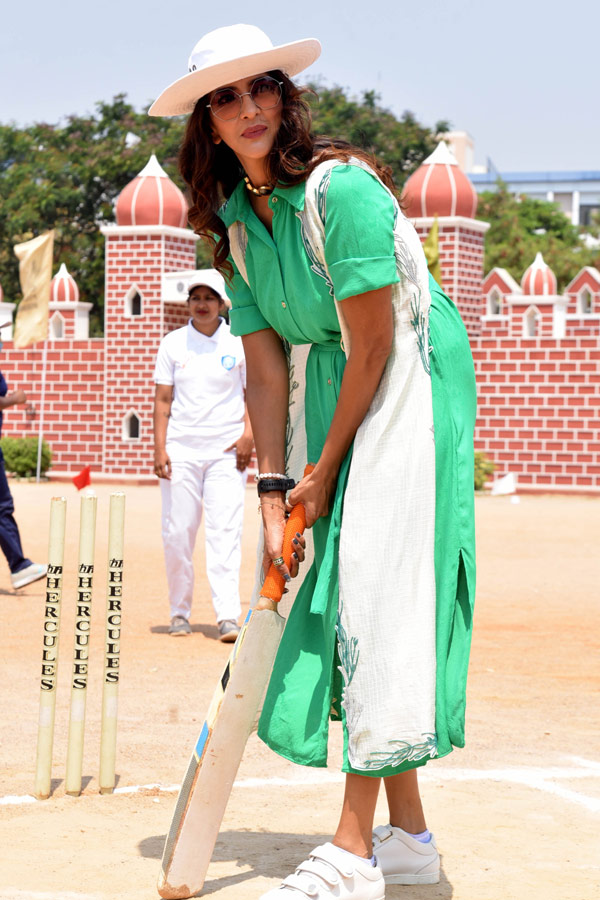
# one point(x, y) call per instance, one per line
point(218, 487)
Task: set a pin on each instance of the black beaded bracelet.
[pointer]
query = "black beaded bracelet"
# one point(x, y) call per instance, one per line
point(275, 484)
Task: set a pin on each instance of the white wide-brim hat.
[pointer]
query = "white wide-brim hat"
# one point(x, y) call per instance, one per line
point(226, 55)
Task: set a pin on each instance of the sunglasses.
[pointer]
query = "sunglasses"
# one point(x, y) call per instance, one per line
point(265, 92)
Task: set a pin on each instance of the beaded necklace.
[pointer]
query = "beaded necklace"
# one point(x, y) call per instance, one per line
point(263, 191)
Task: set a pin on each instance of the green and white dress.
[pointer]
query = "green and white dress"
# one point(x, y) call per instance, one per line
point(379, 632)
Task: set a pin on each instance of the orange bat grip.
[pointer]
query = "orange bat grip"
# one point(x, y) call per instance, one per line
point(273, 584)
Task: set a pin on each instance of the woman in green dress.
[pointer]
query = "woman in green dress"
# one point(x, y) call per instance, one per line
point(318, 255)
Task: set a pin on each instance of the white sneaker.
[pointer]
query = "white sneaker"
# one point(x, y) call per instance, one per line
point(30, 573)
point(403, 859)
point(179, 626)
point(330, 873)
point(228, 630)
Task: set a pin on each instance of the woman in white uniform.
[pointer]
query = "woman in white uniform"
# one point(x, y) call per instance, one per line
point(202, 447)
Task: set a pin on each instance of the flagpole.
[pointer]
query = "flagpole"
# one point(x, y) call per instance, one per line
point(42, 407)
point(31, 323)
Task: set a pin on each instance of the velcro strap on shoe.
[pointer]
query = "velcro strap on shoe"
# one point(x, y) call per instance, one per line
point(317, 868)
point(382, 833)
point(334, 856)
point(302, 884)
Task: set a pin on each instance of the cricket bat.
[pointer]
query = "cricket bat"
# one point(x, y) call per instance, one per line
point(219, 749)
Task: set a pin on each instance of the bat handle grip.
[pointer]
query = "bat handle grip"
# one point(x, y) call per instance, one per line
point(274, 584)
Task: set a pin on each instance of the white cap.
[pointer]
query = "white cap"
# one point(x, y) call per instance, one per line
point(209, 278)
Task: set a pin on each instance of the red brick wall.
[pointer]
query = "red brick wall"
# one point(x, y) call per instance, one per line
point(68, 321)
point(132, 341)
point(583, 326)
point(461, 262)
point(539, 398)
point(539, 409)
point(544, 317)
point(73, 401)
point(180, 253)
point(586, 280)
point(176, 315)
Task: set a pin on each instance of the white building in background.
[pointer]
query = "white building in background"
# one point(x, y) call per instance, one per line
point(577, 193)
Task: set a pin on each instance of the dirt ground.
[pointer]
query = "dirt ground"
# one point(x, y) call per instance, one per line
point(516, 813)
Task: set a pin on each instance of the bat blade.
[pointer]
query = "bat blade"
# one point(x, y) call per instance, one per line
point(216, 758)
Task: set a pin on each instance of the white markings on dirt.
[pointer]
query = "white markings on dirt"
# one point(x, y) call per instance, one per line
point(537, 778)
point(137, 788)
point(15, 894)
point(16, 800)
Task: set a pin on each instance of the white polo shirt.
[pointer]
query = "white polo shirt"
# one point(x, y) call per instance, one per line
point(208, 375)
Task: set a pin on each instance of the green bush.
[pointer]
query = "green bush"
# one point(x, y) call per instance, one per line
point(484, 468)
point(20, 456)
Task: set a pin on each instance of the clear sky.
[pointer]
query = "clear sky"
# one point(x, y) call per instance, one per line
point(521, 76)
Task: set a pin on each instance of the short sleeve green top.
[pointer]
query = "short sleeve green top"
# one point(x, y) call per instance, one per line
point(291, 296)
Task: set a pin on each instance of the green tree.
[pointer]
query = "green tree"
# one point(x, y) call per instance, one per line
point(521, 226)
point(593, 229)
point(67, 177)
point(402, 143)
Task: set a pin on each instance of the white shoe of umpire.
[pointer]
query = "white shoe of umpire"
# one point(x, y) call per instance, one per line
point(179, 626)
point(331, 873)
point(228, 630)
point(403, 859)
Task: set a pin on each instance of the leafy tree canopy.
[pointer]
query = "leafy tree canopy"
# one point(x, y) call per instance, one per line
point(67, 176)
point(522, 226)
point(402, 143)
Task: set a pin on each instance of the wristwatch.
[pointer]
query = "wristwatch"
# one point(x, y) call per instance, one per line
point(275, 484)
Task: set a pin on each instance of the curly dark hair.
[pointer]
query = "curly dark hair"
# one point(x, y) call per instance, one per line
point(212, 171)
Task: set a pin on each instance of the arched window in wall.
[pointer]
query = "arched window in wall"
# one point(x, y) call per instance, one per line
point(131, 426)
point(133, 302)
point(494, 302)
point(586, 302)
point(530, 322)
point(56, 329)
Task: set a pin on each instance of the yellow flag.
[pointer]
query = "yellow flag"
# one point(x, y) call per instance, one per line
point(35, 274)
point(432, 251)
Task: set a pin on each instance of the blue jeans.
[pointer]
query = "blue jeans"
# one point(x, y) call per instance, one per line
point(10, 540)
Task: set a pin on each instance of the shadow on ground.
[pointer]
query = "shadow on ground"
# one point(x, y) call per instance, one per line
point(275, 855)
point(209, 631)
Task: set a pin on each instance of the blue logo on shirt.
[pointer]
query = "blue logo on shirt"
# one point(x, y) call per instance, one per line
point(228, 362)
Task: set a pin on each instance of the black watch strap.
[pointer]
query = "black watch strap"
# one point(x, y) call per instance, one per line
point(275, 484)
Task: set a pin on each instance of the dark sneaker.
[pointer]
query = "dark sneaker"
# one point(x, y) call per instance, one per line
point(30, 573)
point(228, 630)
point(179, 625)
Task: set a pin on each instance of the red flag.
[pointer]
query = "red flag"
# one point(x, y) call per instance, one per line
point(83, 479)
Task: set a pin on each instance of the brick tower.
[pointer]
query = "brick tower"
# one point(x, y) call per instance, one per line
point(149, 240)
point(439, 187)
point(68, 316)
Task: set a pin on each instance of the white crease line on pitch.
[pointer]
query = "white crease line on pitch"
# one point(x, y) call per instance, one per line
point(18, 894)
point(135, 788)
point(535, 777)
point(586, 763)
point(16, 800)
